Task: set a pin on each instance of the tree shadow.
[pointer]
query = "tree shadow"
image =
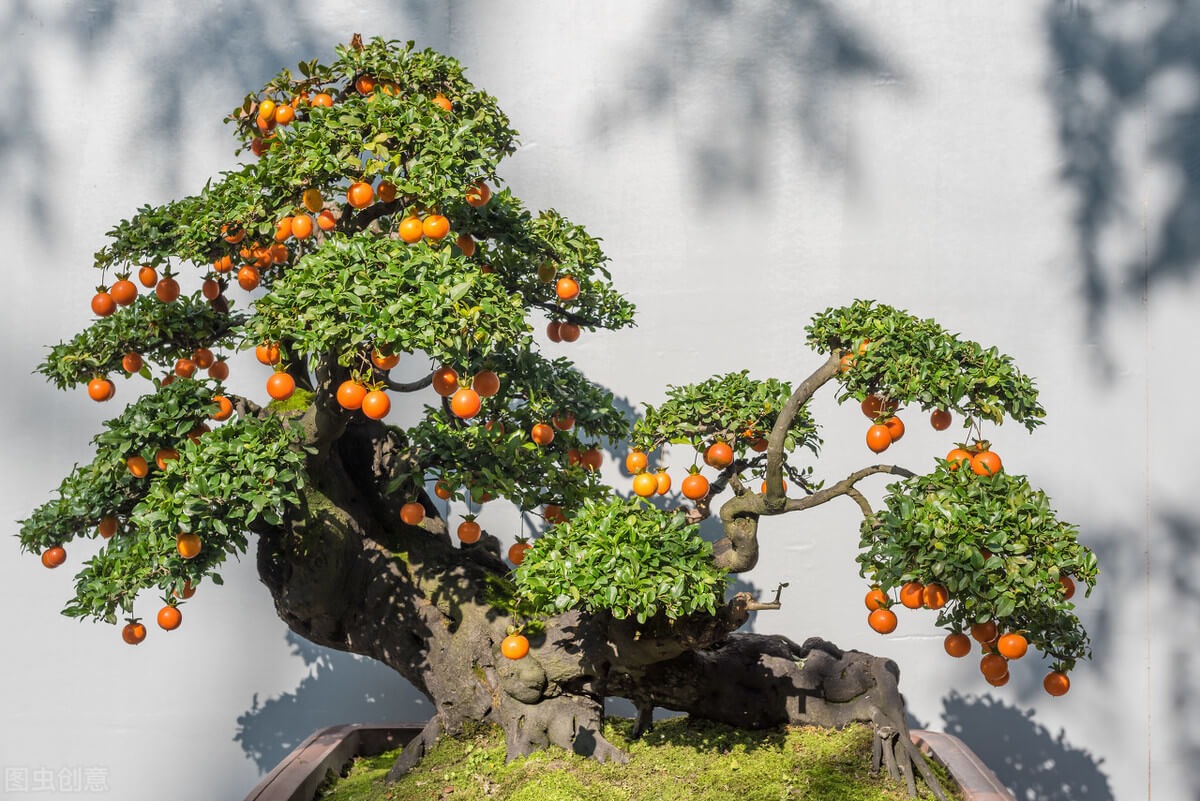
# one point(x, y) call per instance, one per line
point(1182, 668)
point(339, 688)
point(1120, 68)
point(748, 65)
point(1026, 757)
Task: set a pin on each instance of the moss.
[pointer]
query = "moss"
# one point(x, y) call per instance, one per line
point(298, 401)
point(680, 760)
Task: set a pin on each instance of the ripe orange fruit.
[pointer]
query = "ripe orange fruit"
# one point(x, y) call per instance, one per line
point(224, 408)
point(210, 289)
point(874, 405)
point(248, 277)
point(442, 490)
point(137, 466)
point(123, 292)
point(169, 618)
point(694, 487)
point(302, 226)
point(411, 230)
point(486, 383)
point(1012, 646)
point(133, 633)
point(147, 276)
point(384, 361)
point(466, 244)
point(956, 457)
point(103, 304)
point(516, 553)
point(567, 288)
point(984, 632)
point(442, 101)
point(895, 427)
point(940, 419)
point(479, 194)
point(564, 421)
point(568, 331)
point(326, 221)
point(552, 331)
point(592, 459)
point(360, 194)
point(541, 433)
point(188, 544)
point(554, 513)
point(435, 226)
point(278, 253)
point(514, 646)
point(284, 115)
point(719, 455)
point(1056, 683)
point(445, 381)
point(469, 532)
point(882, 620)
point(280, 386)
point(645, 485)
point(386, 191)
point(879, 438)
point(376, 404)
point(1068, 585)
point(219, 370)
point(934, 596)
point(167, 290)
point(267, 353)
point(100, 389)
point(912, 594)
point(412, 513)
point(957, 645)
point(876, 599)
point(164, 455)
point(985, 463)
point(663, 478)
point(283, 229)
point(321, 99)
point(993, 666)
point(185, 368)
point(350, 394)
point(364, 84)
point(312, 200)
point(465, 403)
point(188, 591)
point(759, 445)
point(54, 556)
point(266, 110)
point(233, 234)
point(107, 527)
point(203, 357)
point(636, 461)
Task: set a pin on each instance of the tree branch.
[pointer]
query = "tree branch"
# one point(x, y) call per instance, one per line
point(410, 386)
point(843, 487)
point(775, 495)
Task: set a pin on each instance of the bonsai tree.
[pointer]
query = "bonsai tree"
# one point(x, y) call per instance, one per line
point(369, 232)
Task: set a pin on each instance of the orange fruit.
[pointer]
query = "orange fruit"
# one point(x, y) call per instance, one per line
point(360, 194)
point(100, 389)
point(993, 666)
point(326, 221)
point(567, 288)
point(147, 276)
point(412, 513)
point(364, 84)
point(312, 200)
point(984, 632)
point(552, 331)
point(1056, 683)
point(302, 226)
point(185, 368)
point(554, 513)
point(103, 304)
point(167, 290)
point(224, 408)
point(985, 463)
point(469, 532)
point(384, 361)
point(54, 556)
point(957, 645)
point(386, 192)
point(169, 618)
point(568, 331)
point(875, 599)
point(411, 230)
point(107, 527)
point(479, 194)
point(541, 433)
point(132, 362)
point(133, 633)
point(486, 383)
point(645, 485)
point(466, 244)
point(137, 466)
point(442, 101)
point(882, 621)
point(874, 405)
point(911, 594)
point(879, 438)
point(442, 490)
point(280, 386)
point(210, 289)
point(188, 544)
point(514, 646)
point(203, 357)
point(934, 596)
point(1068, 585)
point(376, 404)
point(940, 419)
point(164, 455)
point(435, 226)
point(694, 487)
point(465, 403)
point(1012, 646)
point(283, 229)
point(321, 99)
point(267, 353)
point(719, 455)
point(445, 381)
point(564, 421)
point(516, 553)
point(895, 427)
point(663, 479)
point(592, 459)
point(636, 461)
point(956, 457)
point(248, 277)
point(123, 292)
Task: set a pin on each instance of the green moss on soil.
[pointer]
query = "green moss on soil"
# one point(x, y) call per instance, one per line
point(680, 760)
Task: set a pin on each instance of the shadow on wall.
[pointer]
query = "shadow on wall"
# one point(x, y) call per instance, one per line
point(1182, 669)
point(1123, 71)
point(1031, 762)
point(173, 52)
point(753, 64)
point(340, 688)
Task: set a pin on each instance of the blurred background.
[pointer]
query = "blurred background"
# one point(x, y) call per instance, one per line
point(1025, 173)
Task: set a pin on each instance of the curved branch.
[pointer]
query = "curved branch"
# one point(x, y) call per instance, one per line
point(775, 495)
point(843, 487)
point(410, 386)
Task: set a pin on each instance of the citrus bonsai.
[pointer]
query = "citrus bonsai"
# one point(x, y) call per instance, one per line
point(369, 230)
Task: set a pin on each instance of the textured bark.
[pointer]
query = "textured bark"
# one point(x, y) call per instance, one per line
point(346, 573)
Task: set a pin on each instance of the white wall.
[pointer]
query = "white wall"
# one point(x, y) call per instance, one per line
point(759, 161)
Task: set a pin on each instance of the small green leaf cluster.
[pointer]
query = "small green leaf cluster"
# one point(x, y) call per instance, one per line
point(900, 357)
point(624, 557)
point(731, 408)
point(994, 543)
point(161, 419)
point(160, 332)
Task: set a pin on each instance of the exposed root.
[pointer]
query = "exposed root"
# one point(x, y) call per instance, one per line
point(416, 749)
point(567, 721)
